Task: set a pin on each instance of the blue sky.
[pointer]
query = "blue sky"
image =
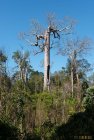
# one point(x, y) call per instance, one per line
point(16, 15)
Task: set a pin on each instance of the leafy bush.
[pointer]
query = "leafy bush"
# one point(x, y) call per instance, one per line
point(47, 130)
point(71, 104)
point(89, 98)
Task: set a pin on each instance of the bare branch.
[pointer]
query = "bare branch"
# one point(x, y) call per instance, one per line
point(51, 19)
point(77, 45)
point(37, 36)
point(30, 43)
point(36, 27)
point(37, 52)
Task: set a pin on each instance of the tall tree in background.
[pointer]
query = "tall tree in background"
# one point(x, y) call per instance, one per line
point(22, 61)
point(75, 48)
point(42, 39)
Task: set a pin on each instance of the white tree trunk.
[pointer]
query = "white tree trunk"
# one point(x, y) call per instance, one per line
point(73, 65)
point(47, 61)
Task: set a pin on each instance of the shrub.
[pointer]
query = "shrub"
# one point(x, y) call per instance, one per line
point(88, 100)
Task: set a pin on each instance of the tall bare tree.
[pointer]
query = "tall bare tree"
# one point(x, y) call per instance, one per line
point(41, 38)
point(75, 48)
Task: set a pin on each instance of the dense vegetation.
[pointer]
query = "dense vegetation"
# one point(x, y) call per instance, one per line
point(28, 112)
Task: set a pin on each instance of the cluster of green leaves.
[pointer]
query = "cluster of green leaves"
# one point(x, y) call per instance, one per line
point(89, 98)
point(71, 104)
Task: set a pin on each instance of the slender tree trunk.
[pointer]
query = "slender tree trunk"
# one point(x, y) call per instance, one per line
point(78, 87)
point(21, 75)
point(72, 82)
point(25, 75)
point(73, 67)
point(78, 81)
point(47, 61)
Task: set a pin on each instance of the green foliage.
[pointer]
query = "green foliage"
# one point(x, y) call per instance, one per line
point(5, 83)
point(85, 85)
point(71, 104)
point(3, 57)
point(47, 99)
point(36, 82)
point(47, 130)
point(37, 114)
point(71, 101)
point(88, 100)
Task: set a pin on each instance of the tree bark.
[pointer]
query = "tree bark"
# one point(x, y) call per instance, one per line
point(78, 88)
point(72, 82)
point(47, 61)
point(73, 68)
